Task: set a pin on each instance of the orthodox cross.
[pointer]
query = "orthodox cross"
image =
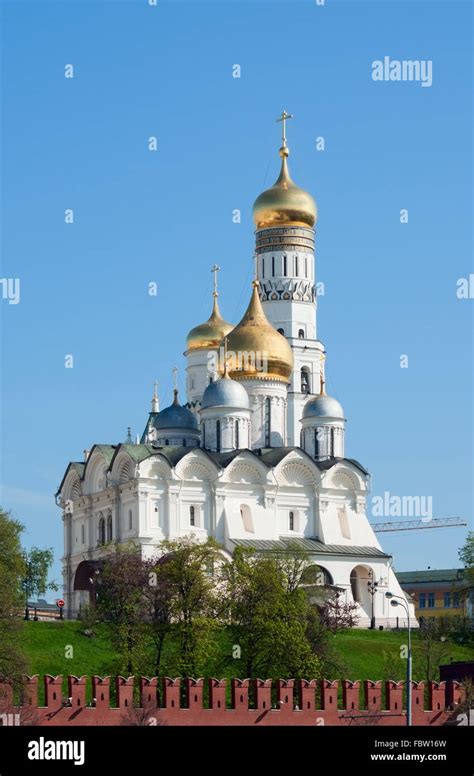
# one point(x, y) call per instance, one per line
point(284, 118)
point(215, 269)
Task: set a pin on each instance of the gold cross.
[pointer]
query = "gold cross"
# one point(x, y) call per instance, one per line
point(284, 118)
point(215, 269)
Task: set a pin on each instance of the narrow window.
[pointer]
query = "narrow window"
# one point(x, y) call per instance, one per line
point(291, 521)
point(306, 266)
point(82, 534)
point(273, 266)
point(218, 436)
point(237, 440)
point(333, 441)
point(300, 333)
point(263, 267)
point(204, 435)
point(184, 443)
point(305, 387)
point(281, 331)
point(296, 266)
point(167, 441)
point(101, 531)
point(316, 442)
point(284, 266)
point(431, 600)
point(422, 600)
point(192, 516)
point(447, 600)
point(268, 422)
point(109, 528)
point(130, 520)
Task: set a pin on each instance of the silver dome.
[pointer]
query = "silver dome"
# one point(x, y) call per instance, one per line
point(225, 393)
point(176, 416)
point(323, 407)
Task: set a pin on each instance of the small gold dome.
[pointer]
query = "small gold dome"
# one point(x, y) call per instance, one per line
point(284, 203)
point(255, 350)
point(209, 334)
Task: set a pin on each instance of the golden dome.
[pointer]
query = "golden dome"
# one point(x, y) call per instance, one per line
point(209, 334)
point(284, 203)
point(255, 350)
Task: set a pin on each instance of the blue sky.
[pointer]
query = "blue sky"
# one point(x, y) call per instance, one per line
point(166, 216)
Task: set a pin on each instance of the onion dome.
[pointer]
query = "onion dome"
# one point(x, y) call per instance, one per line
point(255, 349)
point(284, 203)
point(176, 416)
point(209, 334)
point(323, 406)
point(225, 393)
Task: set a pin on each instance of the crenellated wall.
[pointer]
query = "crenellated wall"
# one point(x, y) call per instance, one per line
point(265, 702)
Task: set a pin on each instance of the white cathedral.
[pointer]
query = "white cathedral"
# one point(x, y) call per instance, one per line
point(255, 457)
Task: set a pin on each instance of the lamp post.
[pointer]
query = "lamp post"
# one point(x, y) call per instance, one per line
point(26, 582)
point(402, 602)
point(372, 588)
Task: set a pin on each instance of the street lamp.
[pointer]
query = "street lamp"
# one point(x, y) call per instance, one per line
point(402, 602)
point(372, 588)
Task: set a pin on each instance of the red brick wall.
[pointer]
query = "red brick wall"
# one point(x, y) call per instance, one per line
point(295, 702)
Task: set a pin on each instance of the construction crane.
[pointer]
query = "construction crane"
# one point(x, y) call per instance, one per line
point(415, 525)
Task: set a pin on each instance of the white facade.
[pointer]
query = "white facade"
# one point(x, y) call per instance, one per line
point(262, 461)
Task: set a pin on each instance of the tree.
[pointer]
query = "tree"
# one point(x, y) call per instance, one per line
point(269, 617)
point(121, 584)
point(336, 614)
point(185, 575)
point(431, 650)
point(12, 662)
point(36, 569)
point(466, 556)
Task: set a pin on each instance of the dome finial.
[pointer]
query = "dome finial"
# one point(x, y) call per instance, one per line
point(175, 385)
point(322, 379)
point(284, 118)
point(215, 269)
point(155, 404)
point(226, 368)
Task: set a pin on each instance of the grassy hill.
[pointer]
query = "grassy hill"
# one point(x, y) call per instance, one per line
point(62, 648)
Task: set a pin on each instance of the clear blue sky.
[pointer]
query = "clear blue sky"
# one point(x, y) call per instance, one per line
point(167, 217)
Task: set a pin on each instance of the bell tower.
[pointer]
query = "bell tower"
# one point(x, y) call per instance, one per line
point(285, 216)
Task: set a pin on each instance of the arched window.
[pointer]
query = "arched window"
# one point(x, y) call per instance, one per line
point(263, 267)
point(246, 516)
point(281, 331)
point(273, 266)
point(130, 520)
point(333, 441)
point(316, 442)
point(109, 528)
point(305, 384)
point(167, 441)
point(101, 537)
point(291, 521)
point(83, 534)
point(268, 422)
point(300, 333)
point(284, 266)
point(192, 516)
point(296, 266)
point(218, 436)
point(184, 443)
point(237, 440)
point(204, 435)
point(306, 266)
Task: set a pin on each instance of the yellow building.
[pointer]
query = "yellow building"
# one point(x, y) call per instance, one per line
point(438, 592)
